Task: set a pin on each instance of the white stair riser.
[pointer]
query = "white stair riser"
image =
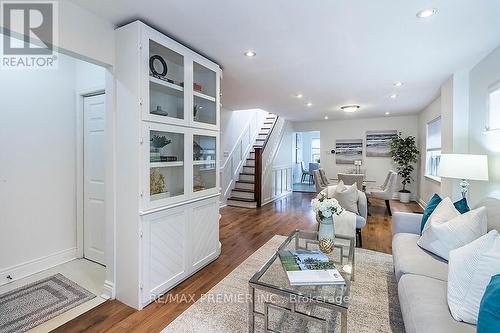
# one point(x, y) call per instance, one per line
point(249, 178)
point(250, 163)
point(245, 186)
point(261, 136)
point(251, 155)
point(243, 195)
point(241, 204)
point(248, 170)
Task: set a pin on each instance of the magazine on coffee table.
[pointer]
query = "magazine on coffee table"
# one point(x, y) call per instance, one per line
point(309, 268)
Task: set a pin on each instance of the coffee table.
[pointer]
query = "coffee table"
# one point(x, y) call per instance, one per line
point(272, 278)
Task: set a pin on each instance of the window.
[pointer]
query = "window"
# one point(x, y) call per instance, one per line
point(494, 108)
point(315, 150)
point(433, 149)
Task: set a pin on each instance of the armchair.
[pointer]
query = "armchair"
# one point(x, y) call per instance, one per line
point(362, 209)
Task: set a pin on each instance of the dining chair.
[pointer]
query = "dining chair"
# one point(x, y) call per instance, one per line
point(385, 192)
point(305, 173)
point(312, 166)
point(350, 179)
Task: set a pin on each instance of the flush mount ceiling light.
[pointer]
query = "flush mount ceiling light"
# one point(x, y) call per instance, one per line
point(387, 113)
point(309, 104)
point(326, 117)
point(299, 95)
point(393, 96)
point(250, 53)
point(398, 84)
point(350, 108)
point(425, 13)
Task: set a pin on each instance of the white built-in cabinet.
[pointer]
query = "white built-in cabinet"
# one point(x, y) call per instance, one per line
point(167, 162)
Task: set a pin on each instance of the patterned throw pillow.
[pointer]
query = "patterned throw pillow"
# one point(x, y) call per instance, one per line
point(469, 271)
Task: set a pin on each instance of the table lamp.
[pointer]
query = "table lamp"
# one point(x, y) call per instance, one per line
point(465, 167)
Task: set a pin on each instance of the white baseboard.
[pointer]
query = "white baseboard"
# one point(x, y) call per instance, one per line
point(20, 271)
point(108, 291)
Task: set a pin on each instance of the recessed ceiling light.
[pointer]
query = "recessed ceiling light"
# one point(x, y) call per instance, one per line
point(250, 53)
point(299, 95)
point(398, 84)
point(326, 117)
point(425, 13)
point(309, 104)
point(387, 113)
point(394, 96)
point(350, 108)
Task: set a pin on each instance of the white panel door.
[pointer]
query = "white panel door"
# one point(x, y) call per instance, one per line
point(94, 122)
point(164, 250)
point(204, 231)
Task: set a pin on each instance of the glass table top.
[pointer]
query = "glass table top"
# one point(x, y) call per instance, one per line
point(273, 276)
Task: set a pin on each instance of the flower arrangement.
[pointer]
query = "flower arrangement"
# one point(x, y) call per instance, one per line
point(325, 207)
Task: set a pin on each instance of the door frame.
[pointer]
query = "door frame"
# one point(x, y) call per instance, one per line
point(80, 97)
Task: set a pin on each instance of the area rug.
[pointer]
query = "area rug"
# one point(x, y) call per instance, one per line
point(28, 306)
point(374, 305)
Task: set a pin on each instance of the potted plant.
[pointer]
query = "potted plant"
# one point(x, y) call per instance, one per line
point(405, 154)
point(157, 142)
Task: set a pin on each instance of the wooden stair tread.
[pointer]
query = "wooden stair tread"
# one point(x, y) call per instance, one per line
point(250, 159)
point(241, 199)
point(242, 190)
point(247, 174)
point(245, 181)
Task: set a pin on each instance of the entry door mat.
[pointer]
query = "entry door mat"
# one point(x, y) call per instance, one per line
point(28, 306)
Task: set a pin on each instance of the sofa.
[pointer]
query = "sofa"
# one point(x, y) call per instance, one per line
point(362, 209)
point(422, 277)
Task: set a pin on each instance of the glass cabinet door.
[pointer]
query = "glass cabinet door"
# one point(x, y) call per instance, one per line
point(204, 162)
point(204, 95)
point(166, 161)
point(166, 82)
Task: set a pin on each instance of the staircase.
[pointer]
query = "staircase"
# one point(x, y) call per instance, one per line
point(243, 194)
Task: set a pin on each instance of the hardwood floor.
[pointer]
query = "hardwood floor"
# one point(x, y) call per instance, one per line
point(242, 232)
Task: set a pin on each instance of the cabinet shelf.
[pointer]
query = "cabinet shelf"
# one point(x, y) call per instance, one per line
point(201, 95)
point(203, 162)
point(166, 84)
point(166, 164)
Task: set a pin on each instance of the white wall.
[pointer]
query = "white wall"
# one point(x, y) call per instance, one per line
point(38, 163)
point(376, 167)
point(284, 155)
point(485, 74)
point(427, 186)
point(232, 125)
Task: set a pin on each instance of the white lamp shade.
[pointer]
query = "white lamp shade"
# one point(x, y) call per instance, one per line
point(463, 166)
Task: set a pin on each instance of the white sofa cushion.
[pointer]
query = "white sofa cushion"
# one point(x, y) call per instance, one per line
point(470, 270)
point(424, 306)
point(441, 237)
point(409, 258)
point(347, 196)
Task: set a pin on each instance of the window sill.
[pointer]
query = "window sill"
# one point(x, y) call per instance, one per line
point(433, 178)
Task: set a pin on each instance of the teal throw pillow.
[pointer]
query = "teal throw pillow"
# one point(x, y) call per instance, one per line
point(488, 320)
point(461, 205)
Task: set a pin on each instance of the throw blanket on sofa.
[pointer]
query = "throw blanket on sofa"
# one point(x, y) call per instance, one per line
point(345, 224)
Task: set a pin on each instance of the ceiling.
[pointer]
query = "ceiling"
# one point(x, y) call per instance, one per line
point(333, 52)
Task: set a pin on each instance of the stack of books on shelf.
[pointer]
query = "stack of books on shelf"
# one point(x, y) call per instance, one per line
point(309, 268)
